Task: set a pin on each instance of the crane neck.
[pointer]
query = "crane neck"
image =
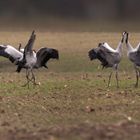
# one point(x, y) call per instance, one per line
point(120, 45)
point(129, 47)
point(119, 48)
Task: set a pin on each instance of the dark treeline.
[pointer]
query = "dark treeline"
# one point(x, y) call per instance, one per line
point(42, 7)
point(91, 9)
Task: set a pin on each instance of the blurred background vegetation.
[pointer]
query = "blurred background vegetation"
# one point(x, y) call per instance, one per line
point(72, 15)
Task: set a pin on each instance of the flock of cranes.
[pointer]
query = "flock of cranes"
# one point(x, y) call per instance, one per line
point(29, 59)
point(110, 57)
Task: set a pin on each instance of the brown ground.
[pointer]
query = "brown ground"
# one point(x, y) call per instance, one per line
point(123, 130)
point(72, 101)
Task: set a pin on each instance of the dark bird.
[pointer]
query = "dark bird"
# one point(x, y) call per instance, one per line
point(34, 60)
point(134, 56)
point(108, 57)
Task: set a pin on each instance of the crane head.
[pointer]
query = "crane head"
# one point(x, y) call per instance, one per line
point(125, 36)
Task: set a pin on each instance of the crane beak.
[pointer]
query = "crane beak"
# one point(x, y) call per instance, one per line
point(124, 36)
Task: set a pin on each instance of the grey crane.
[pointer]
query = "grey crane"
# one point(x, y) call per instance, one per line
point(27, 58)
point(108, 57)
point(34, 60)
point(134, 56)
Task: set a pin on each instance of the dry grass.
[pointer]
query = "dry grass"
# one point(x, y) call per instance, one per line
point(72, 91)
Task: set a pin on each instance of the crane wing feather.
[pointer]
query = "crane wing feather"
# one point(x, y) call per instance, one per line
point(29, 46)
point(135, 57)
point(110, 57)
point(44, 55)
point(10, 52)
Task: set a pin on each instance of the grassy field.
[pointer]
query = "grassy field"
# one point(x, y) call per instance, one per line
point(72, 100)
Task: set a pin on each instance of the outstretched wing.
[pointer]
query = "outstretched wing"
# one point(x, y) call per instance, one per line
point(29, 46)
point(44, 55)
point(28, 52)
point(11, 53)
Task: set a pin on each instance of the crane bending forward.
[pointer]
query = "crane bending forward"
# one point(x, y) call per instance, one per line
point(108, 56)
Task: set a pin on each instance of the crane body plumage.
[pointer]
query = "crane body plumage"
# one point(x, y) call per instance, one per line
point(108, 56)
point(134, 56)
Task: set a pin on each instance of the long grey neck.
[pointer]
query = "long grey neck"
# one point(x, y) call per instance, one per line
point(119, 48)
point(128, 45)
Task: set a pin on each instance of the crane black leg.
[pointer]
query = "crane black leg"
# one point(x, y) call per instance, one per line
point(33, 77)
point(137, 77)
point(109, 79)
point(117, 78)
point(28, 79)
